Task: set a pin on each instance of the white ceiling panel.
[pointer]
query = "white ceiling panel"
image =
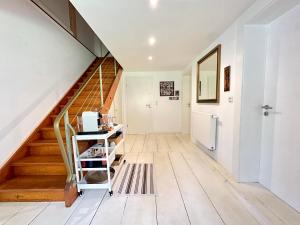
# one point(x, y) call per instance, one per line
point(182, 28)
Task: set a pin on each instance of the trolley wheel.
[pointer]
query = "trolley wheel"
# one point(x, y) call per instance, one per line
point(124, 161)
point(80, 193)
point(111, 193)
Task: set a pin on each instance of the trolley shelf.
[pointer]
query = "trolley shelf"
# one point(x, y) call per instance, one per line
point(83, 158)
point(108, 157)
point(87, 137)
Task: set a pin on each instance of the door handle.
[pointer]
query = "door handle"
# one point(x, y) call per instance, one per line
point(266, 107)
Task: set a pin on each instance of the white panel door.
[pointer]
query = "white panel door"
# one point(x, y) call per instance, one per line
point(186, 104)
point(139, 98)
point(280, 167)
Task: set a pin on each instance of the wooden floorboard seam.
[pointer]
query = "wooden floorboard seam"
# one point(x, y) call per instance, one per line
point(187, 214)
point(192, 170)
point(123, 213)
point(98, 207)
point(208, 197)
point(39, 214)
point(257, 215)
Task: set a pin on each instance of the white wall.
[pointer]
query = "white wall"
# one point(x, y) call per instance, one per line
point(280, 167)
point(244, 47)
point(166, 114)
point(59, 10)
point(229, 144)
point(39, 62)
point(224, 110)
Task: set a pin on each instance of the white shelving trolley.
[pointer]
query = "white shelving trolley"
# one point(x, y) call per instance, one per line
point(109, 154)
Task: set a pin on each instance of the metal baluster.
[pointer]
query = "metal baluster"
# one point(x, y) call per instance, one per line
point(101, 87)
point(115, 65)
point(71, 152)
point(68, 141)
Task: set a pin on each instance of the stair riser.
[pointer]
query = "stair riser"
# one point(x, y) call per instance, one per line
point(78, 110)
point(90, 87)
point(88, 93)
point(49, 134)
point(83, 103)
point(45, 150)
point(62, 123)
point(91, 82)
point(79, 102)
point(91, 70)
point(93, 92)
point(107, 68)
point(32, 196)
point(53, 150)
point(40, 170)
point(84, 94)
point(95, 83)
point(105, 80)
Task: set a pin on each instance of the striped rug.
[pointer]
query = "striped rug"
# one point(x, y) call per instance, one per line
point(135, 179)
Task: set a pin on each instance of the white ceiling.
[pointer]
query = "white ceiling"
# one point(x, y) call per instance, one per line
point(182, 28)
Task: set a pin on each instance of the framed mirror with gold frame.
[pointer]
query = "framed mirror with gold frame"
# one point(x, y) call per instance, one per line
point(208, 77)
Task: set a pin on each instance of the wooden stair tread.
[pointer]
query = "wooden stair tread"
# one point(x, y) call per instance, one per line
point(70, 115)
point(34, 183)
point(39, 160)
point(42, 142)
point(78, 106)
point(85, 96)
point(51, 128)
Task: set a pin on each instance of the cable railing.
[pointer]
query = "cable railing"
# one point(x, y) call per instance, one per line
point(95, 91)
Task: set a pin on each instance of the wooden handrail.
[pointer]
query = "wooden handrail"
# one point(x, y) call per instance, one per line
point(62, 114)
point(105, 108)
point(65, 148)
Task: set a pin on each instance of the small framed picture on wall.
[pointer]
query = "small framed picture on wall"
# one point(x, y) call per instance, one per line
point(166, 88)
point(227, 71)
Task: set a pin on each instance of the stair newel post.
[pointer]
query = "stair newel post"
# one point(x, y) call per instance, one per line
point(101, 87)
point(68, 142)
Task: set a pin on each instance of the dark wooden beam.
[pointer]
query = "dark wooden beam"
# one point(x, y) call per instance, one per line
point(73, 21)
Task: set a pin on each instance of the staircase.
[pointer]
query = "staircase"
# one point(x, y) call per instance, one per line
point(37, 171)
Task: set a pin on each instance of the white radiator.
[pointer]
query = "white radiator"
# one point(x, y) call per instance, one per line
point(204, 129)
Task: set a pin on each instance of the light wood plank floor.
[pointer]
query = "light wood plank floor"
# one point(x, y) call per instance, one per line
point(191, 188)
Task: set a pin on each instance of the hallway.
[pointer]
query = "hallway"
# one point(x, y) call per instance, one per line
point(191, 188)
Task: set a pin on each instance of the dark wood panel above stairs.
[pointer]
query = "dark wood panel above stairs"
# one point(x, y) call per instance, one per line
point(36, 171)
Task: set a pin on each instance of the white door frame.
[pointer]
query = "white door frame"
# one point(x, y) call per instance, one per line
point(149, 127)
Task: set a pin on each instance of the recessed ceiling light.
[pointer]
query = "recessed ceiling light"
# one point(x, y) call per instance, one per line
point(153, 3)
point(150, 58)
point(151, 41)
